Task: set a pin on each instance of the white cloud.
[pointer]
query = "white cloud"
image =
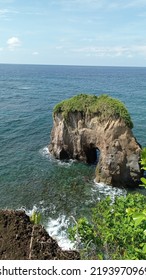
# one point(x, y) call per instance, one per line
point(35, 53)
point(101, 51)
point(129, 51)
point(140, 49)
point(13, 43)
point(3, 12)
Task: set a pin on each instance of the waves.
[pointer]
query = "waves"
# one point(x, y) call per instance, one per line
point(107, 190)
point(57, 224)
point(57, 228)
point(45, 153)
point(29, 175)
point(57, 215)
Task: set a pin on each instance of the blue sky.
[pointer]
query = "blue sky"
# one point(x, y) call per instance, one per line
point(73, 32)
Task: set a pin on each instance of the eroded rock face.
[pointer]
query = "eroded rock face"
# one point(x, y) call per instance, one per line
point(80, 136)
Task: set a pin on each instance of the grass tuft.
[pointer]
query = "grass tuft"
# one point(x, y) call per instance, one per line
point(104, 106)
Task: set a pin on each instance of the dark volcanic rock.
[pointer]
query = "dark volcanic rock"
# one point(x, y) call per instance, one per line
point(16, 233)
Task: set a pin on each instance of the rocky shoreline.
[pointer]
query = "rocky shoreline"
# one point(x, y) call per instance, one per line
point(20, 239)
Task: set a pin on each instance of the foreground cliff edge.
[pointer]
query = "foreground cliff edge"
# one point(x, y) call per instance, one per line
point(22, 240)
point(97, 130)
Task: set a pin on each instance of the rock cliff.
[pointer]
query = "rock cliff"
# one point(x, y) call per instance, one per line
point(16, 235)
point(97, 130)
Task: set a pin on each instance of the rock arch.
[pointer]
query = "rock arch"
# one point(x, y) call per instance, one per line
point(80, 134)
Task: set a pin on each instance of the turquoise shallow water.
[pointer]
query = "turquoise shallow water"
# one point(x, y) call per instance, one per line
point(28, 175)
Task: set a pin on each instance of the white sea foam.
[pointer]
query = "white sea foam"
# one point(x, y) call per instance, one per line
point(66, 163)
point(45, 153)
point(108, 190)
point(57, 229)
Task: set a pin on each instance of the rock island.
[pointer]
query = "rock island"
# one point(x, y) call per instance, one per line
point(97, 130)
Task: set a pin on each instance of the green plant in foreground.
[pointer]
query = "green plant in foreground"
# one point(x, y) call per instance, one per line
point(140, 217)
point(116, 230)
point(35, 218)
point(111, 230)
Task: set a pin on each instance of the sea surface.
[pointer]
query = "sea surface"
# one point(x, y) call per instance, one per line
point(29, 177)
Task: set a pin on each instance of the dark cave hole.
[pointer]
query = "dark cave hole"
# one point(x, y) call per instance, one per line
point(92, 155)
point(64, 155)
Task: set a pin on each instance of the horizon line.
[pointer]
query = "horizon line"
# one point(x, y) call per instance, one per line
point(71, 65)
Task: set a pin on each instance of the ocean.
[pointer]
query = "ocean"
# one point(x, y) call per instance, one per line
point(29, 177)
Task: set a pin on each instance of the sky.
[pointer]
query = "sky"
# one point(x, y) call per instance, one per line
point(73, 32)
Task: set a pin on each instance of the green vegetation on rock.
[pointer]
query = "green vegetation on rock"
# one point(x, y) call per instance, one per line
point(104, 106)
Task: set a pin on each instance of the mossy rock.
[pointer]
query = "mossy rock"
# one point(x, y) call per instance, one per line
point(104, 106)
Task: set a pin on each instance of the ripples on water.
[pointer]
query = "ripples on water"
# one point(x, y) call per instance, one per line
point(29, 176)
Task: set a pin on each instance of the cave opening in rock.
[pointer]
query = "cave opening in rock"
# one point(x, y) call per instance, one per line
point(64, 155)
point(92, 155)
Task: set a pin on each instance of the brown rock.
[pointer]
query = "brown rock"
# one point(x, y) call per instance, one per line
point(81, 135)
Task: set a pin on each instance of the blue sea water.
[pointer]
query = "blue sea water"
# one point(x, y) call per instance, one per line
point(29, 177)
